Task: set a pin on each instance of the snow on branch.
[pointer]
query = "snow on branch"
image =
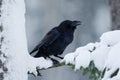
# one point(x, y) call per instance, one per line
point(100, 58)
point(105, 56)
point(36, 64)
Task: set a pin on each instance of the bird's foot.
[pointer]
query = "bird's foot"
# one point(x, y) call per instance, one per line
point(59, 56)
point(55, 61)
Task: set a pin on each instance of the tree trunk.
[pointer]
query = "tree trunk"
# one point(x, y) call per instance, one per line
point(115, 14)
point(13, 40)
point(15, 61)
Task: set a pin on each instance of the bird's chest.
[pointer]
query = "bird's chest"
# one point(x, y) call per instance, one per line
point(66, 39)
point(60, 44)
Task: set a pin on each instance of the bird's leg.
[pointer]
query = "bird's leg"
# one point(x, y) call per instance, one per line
point(54, 60)
point(58, 56)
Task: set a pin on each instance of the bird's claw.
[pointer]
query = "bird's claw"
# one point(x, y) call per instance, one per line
point(55, 61)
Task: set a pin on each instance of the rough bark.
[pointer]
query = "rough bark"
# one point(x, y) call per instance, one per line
point(3, 68)
point(115, 14)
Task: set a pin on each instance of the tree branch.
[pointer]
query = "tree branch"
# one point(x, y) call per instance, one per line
point(57, 65)
point(54, 66)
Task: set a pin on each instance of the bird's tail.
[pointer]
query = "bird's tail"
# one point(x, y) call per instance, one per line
point(34, 50)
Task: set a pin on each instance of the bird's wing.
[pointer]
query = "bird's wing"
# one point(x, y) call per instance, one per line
point(48, 39)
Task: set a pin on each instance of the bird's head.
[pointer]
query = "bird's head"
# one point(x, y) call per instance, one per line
point(69, 24)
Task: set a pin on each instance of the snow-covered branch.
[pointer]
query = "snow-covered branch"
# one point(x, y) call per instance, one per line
point(104, 54)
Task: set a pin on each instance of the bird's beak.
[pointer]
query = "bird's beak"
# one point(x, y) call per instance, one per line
point(76, 23)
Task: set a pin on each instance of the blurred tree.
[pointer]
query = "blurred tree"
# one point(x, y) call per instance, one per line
point(115, 13)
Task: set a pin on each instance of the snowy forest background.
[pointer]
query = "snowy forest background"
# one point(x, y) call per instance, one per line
point(42, 15)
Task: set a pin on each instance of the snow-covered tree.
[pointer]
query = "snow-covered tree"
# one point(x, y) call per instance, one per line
point(15, 61)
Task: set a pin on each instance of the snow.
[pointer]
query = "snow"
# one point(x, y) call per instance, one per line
point(69, 58)
point(113, 62)
point(99, 56)
point(113, 56)
point(39, 63)
point(83, 59)
point(110, 38)
point(104, 54)
point(14, 45)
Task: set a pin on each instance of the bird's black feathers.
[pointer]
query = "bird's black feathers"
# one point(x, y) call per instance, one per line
point(56, 40)
point(47, 40)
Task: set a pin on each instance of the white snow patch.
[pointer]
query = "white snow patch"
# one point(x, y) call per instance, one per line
point(110, 38)
point(99, 56)
point(40, 63)
point(114, 55)
point(69, 58)
point(83, 59)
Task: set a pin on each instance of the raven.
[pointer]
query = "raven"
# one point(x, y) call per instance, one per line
point(56, 40)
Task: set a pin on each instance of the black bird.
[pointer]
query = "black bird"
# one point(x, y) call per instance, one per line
point(56, 40)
